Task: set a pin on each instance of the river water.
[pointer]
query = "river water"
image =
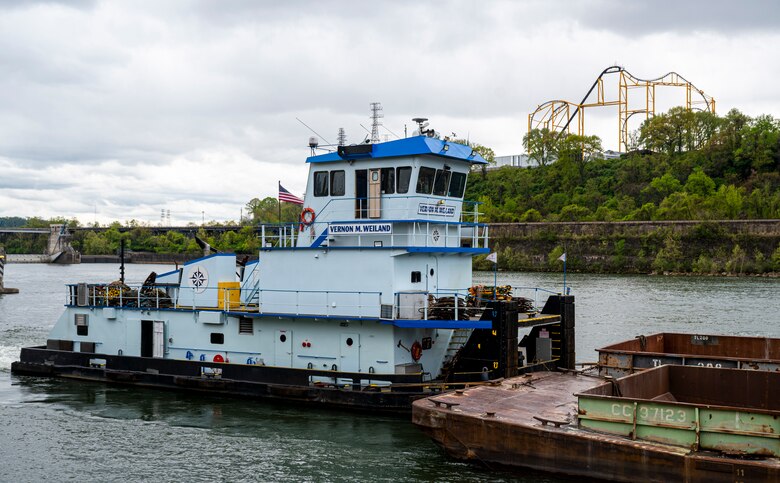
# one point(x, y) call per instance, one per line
point(58, 430)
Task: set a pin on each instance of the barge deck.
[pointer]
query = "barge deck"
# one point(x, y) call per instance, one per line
point(531, 421)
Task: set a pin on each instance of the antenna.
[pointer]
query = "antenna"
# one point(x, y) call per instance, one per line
point(342, 138)
point(315, 132)
point(376, 116)
point(391, 132)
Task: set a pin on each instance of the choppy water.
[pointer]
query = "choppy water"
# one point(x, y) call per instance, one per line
point(58, 430)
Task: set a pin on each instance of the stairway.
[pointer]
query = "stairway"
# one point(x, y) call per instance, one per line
point(457, 341)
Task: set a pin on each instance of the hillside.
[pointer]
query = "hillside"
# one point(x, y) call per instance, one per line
point(694, 166)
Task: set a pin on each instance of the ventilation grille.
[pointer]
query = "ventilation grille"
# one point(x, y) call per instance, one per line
point(386, 311)
point(246, 326)
point(81, 320)
point(82, 294)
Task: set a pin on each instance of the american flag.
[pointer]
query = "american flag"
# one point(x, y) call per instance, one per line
point(285, 195)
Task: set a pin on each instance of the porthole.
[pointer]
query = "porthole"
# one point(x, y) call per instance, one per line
point(431, 272)
point(349, 341)
point(283, 338)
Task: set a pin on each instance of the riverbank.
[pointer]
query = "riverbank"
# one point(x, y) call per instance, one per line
point(732, 247)
point(717, 248)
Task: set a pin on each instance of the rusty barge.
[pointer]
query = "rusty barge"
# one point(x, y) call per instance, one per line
point(671, 423)
point(644, 352)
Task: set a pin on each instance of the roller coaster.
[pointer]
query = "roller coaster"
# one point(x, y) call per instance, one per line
point(559, 115)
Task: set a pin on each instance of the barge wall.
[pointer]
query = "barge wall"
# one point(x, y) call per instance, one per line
point(723, 247)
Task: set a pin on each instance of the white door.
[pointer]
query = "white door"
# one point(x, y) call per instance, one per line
point(283, 348)
point(158, 340)
point(432, 278)
point(350, 353)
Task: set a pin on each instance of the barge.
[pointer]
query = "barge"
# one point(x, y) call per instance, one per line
point(644, 352)
point(362, 303)
point(670, 423)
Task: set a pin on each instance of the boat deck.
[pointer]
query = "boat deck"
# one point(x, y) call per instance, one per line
point(530, 421)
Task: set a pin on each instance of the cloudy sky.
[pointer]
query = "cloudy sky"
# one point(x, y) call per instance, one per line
point(116, 110)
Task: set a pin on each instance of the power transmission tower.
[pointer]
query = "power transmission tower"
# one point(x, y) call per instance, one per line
point(376, 116)
point(342, 138)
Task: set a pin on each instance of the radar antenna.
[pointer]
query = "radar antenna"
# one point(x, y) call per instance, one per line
point(422, 123)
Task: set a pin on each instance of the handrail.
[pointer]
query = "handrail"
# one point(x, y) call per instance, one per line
point(417, 232)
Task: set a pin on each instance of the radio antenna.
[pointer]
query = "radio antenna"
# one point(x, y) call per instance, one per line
point(315, 132)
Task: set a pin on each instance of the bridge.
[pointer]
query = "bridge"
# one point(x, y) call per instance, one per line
point(58, 248)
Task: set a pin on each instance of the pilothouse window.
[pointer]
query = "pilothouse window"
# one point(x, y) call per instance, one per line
point(320, 183)
point(388, 181)
point(404, 175)
point(337, 183)
point(457, 185)
point(442, 182)
point(425, 180)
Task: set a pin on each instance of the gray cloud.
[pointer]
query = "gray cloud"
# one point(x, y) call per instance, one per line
point(634, 17)
point(135, 106)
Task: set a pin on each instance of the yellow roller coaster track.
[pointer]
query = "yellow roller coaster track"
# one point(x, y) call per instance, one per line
point(559, 115)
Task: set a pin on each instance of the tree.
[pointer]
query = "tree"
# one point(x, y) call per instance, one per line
point(484, 151)
point(699, 183)
point(541, 145)
point(679, 130)
point(759, 145)
point(267, 211)
point(579, 150)
point(662, 187)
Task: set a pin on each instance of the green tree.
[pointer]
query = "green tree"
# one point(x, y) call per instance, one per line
point(541, 145)
point(267, 211)
point(699, 183)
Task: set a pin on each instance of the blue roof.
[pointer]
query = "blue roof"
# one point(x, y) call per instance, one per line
point(409, 147)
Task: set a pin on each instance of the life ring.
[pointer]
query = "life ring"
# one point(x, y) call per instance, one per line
point(416, 351)
point(308, 216)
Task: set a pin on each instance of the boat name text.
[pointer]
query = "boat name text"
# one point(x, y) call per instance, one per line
point(361, 228)
point(435, 209)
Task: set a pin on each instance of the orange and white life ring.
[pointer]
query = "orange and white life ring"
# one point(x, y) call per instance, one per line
point(308, 216)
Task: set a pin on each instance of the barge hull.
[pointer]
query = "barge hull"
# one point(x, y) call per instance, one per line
point(259, 382)
point(499, 425)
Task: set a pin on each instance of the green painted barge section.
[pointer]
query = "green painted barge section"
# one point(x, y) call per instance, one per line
point(699, 408)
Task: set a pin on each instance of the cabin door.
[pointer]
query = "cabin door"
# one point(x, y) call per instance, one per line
point(152, 338)
point(374, 193)
point(283, 348)
point(361, 193)
point(158, 339)
point(350, 353)
point(147, 338)
point(431, 278)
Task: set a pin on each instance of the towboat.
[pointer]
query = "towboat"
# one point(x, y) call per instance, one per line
point(363, 303)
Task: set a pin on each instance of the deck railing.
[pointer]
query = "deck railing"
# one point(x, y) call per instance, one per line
point(445, 304)
point(417, 233)
point(402, 211)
